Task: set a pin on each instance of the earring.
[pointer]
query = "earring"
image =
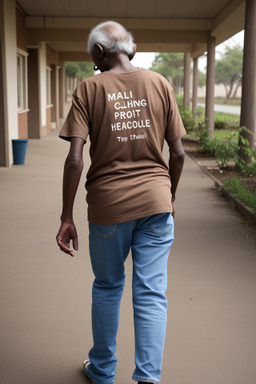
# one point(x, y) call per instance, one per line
point(95, 68)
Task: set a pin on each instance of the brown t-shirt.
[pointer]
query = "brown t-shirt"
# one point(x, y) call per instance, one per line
point(127, 117)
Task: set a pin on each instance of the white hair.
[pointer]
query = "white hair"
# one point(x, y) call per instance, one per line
point(109, 34)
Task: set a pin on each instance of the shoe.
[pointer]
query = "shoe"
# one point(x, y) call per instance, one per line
point(143, 382)
point(85, 365)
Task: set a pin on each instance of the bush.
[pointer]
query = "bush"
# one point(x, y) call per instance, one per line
point(226, 151)
point(207, 144)
point(249, 170)
point(187, 117)
point(225, 120)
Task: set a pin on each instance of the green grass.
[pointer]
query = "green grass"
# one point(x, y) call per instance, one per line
point(236, 188)
point(223, 134)
point(236, 102)
point(223, 101)
point(226, 120)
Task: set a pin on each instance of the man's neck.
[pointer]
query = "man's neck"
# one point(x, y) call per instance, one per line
point(121, 64)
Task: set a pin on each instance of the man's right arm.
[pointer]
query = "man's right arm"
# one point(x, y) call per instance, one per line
point(72, 173)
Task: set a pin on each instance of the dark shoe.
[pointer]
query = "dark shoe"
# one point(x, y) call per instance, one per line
point(144, 382)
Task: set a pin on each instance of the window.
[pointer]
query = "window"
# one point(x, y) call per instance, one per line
point(48, 86)
point(22, 81)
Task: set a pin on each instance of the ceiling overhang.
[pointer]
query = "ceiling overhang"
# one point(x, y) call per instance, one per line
point(68, 35)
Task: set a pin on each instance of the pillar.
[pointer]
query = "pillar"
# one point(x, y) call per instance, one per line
point(210, 83)
point(61, 91)
point(186, 97)
point(195, 85)
point(54, 97)
point(34, 131)
point(2, 120)
point(248, 103)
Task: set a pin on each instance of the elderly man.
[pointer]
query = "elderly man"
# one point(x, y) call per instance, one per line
point(127, 113)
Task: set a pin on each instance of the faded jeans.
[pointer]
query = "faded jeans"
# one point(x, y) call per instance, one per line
point(149, 240)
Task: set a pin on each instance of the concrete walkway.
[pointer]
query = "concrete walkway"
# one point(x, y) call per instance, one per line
point(45, 295)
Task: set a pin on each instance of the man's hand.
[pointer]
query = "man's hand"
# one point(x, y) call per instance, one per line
point(67, 233)
point(173, 210)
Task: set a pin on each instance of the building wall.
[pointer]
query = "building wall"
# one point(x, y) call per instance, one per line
point(2, 119)
point(48, 121)
point(51, 56)
point(23, 125)
point(9, 76)
point(21, 30)
point(21, 37)
point(52, 62)
point(42, 86)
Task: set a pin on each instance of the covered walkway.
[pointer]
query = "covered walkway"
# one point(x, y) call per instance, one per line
point(45, 295)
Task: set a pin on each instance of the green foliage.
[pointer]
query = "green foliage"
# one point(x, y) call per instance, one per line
point(229, 69)
point(227, 149)
point(226, 120)
point(71, 69)
point(81, 70)
point(223, 134)
point(207, 143)
point(187, 118)
point(190, 120)
point(170, 65)
point(247, 169)
point(236, 188)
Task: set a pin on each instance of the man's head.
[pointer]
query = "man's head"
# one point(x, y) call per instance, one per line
point(110, 38)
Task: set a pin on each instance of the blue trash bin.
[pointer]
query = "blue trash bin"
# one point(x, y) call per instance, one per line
point(19, 147)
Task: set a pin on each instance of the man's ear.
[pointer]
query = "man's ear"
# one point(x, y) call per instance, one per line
point(131, 55)
point(100, 51)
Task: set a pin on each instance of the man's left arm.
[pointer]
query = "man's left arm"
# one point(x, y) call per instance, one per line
point(176, 161)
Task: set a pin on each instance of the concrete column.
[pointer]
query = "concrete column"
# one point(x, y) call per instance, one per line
point(210, 83)
point(186, 97)
point(67, 88)
point(54, 96)
point(34, 130)
point(8, 77)
point(57, 97)
point(248, 104)
point(2, 120)
point(62, 91)
point(195, 85)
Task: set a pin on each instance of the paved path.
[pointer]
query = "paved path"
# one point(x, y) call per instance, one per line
point(232, 109)
point(45, 295)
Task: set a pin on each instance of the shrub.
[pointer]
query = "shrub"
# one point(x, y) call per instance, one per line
point(226, 151)
point(225, 120)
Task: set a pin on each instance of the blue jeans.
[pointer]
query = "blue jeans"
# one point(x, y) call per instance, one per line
point(150, 240)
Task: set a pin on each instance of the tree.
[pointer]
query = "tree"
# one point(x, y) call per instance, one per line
point(229, 70)
point(81, 70)
point(170, 65)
